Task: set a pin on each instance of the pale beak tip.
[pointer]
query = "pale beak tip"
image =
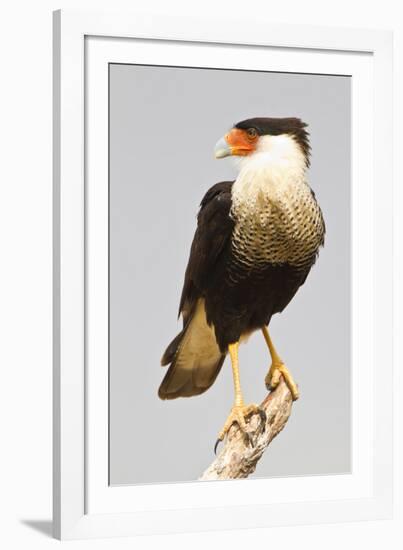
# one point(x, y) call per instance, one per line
point(220, 153)
point(222, 149)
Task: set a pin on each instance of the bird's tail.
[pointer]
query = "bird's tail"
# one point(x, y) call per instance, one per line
point(194, 357)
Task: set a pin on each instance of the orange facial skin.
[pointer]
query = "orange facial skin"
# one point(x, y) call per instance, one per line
point(241, 142)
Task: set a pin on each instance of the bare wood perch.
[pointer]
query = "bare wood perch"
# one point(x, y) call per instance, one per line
point(238, 459)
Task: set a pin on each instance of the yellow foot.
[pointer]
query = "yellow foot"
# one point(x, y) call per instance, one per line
point(238, 414)
point(273, 378)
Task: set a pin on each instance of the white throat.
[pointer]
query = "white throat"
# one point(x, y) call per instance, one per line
point(276, 167)
point(274, 153)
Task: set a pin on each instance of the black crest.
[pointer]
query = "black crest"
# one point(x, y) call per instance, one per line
point(276, 126)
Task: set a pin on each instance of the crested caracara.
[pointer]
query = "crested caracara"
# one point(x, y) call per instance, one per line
point(256, 240)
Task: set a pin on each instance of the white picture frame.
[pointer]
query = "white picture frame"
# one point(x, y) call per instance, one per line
point(84, 504)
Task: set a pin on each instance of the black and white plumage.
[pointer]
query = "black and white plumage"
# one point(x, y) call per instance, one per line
point(256, 240)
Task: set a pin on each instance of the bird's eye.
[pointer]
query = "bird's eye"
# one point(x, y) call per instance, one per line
point(251, 133)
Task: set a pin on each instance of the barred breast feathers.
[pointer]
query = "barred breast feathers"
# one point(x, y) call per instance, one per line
point(277, 219)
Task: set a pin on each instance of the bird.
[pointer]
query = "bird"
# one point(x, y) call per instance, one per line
point(256, 240)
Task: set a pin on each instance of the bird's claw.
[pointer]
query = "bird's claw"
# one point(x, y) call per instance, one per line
point(250, 409)
point(216, 445)
point(273, 377)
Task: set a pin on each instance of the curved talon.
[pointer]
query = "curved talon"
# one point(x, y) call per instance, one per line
point(216, 445)
point(238, 416)
point(272, 380)
point(235, 419)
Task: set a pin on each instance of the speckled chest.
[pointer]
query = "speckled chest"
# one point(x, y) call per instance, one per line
point(277, 221)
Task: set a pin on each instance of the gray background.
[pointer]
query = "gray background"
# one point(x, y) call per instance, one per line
point(164, 123)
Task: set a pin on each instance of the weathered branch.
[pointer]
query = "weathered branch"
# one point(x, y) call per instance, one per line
point(238, 459)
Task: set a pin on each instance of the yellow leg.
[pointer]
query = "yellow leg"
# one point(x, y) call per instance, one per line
point(239, 410)
point(278, 369)
point(233, 353)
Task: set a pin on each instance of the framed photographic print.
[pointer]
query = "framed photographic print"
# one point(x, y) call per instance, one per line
point(241, 176)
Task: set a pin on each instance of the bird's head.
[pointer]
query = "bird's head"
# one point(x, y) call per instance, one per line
point(266, 138)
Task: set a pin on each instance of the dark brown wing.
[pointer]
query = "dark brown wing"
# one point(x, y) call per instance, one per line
point(194, 356)
point(213, 234)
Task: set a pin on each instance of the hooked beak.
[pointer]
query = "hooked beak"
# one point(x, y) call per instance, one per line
point(222, 149)
point(236, 142)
